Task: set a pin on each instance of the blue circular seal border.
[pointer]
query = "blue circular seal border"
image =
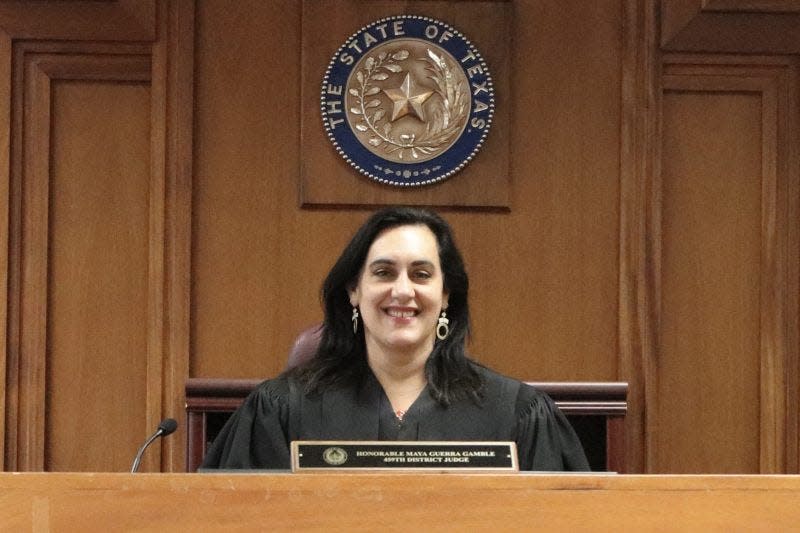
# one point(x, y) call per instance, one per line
point(463, 150)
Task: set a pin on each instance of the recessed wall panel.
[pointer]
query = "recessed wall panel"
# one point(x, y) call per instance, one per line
point(97, 275)
point(709, 356)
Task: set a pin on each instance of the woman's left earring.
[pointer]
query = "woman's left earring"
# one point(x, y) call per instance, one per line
point(443, 327)
point(355, 320)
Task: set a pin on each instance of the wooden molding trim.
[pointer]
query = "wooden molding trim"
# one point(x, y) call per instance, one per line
point(639, 223)
point(752, 6)
point(118, 20)
point(181, 105)
point(173, 59)
point(752, 26)
point(5, 211)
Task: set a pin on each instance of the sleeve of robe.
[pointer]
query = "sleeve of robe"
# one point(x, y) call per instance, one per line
point(256, 435)
point(545, 439)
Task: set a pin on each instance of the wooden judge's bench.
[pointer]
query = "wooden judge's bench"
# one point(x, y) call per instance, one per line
point(408, 502)
point(435, 501)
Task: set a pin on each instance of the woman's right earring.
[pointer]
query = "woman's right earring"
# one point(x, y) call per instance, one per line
point(355, 320)
point(443, 327)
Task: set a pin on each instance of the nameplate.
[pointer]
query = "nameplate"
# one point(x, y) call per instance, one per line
point(308, 456)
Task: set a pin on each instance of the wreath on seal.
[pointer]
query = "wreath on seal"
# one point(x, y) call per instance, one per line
point(447, 118)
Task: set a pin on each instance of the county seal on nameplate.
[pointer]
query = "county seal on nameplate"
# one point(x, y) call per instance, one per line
point(407, 101)
point(311, 456)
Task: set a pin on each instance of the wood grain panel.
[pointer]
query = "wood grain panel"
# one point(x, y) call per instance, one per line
point(255, 258)
point(326, 179)
point(708, 365)
point(97, 330)
point(752, 6)
point(172, 121)
point(756, 26)
point(5, 212)
point(544, 275)
point(408, 502)
point(71, 256)
point(727, 311)
point(99, 232)
point(118, 20)
point(639, 247)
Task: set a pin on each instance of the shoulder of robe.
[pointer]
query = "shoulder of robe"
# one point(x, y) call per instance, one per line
point(272, 391)
point(496, 386)
point(531, 401)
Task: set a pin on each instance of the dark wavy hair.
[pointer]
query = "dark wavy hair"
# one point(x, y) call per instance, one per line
point(341, 357)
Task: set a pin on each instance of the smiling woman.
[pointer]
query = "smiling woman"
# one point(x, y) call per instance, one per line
point(400, 294)
point(391, 364)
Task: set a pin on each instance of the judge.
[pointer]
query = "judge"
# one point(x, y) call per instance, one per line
point(391, 363)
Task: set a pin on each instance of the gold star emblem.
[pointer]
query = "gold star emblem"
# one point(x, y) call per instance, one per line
point(406, 101)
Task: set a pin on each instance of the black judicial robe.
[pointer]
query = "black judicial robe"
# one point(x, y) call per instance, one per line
point(277, 412)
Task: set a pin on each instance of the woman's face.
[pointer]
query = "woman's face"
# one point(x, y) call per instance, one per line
point(400, 290)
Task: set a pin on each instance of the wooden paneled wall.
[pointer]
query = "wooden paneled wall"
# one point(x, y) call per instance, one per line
point(151, 161)
point(709, 244)
point(97, 173)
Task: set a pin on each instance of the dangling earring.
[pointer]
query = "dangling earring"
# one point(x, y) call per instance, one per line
point(355, 320)
point(443, 327)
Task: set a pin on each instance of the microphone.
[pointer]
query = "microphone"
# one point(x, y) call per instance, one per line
point(165, 427)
